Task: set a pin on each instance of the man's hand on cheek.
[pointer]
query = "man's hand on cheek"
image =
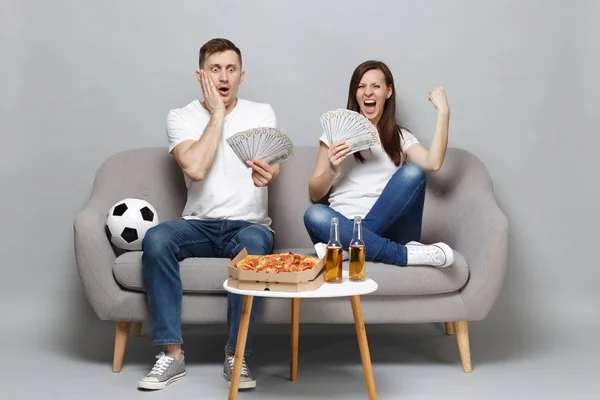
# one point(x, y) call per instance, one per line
point(262, 173)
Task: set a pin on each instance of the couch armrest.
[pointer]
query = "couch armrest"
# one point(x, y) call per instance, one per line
point(465, 214)
point(484, 243)
point(95, 257)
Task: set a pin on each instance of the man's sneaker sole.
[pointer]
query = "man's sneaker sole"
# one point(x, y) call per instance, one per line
point(242, 384)
point(160, 385)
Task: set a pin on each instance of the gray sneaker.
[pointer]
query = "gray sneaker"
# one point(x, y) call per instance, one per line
point(166, 370)
point(247, 380)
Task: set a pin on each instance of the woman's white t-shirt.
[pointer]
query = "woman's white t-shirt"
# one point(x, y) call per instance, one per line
point(357, 185)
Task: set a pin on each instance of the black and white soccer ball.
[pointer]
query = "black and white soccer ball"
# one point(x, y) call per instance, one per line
point(128, 221)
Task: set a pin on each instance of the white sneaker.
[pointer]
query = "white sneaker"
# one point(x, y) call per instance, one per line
point(321, 248)
point(438, 255)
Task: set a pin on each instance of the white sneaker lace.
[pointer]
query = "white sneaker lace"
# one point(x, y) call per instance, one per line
point(231, 359)
point(162, 363)
point(427, 254)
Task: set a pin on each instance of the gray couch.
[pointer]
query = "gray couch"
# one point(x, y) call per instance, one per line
point(460, 209)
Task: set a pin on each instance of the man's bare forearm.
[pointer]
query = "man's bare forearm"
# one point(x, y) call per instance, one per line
point(198, 158)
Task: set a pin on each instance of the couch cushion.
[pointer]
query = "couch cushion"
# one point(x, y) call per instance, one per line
point(206, 275)
point(198, 275)
point(418, 280)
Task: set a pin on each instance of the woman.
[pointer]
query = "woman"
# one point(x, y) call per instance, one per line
point(384, 185)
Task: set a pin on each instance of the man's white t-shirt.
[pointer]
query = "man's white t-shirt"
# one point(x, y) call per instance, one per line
point(357, 186)
point(227, 190)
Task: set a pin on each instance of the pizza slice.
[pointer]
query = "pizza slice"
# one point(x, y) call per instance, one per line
point(280, 262)
point(248, 263)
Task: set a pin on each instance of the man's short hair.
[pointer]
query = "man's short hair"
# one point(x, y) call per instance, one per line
point(217, 45)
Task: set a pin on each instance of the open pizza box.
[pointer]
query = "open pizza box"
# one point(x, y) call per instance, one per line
point(302, 281)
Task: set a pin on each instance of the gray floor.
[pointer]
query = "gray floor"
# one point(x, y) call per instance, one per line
point(58, 357)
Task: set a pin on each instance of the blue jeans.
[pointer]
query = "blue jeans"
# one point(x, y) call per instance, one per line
point(172, 241)
point(394, 220)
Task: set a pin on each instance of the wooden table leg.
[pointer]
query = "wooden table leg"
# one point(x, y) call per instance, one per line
point(240, 347)
point(294, 342)
point(361, 334)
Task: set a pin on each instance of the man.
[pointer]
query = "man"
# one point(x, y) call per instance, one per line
point(226, 208)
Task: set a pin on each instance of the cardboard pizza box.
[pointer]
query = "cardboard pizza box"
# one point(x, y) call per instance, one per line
point(280, 282)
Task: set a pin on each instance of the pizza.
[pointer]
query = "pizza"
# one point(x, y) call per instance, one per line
point(281, 262)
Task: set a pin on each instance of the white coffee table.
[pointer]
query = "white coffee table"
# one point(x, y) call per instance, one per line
point(346, 288)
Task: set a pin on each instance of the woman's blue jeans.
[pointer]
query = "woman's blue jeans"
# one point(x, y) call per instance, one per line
point(394, 220)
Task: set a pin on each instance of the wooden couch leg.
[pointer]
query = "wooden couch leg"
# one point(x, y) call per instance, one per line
point(121, 334)
point(449, 328)
point(462, 337)
point(137, 329)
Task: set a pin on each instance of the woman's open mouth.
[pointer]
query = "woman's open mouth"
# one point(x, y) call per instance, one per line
point(370, 106)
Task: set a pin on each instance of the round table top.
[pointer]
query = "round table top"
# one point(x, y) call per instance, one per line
point(344, 289)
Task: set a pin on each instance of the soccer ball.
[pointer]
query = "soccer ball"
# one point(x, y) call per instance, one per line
point(127, 223)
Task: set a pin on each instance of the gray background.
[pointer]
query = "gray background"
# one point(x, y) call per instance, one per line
point(83, 80)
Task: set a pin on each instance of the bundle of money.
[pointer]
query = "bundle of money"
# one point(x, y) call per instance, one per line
point(262, 143)
point(350, 126)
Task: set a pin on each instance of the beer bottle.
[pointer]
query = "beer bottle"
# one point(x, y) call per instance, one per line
point(333, 254)
point(357, 252)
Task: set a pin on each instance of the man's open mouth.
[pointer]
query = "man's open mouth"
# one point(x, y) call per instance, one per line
point(224, 91)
